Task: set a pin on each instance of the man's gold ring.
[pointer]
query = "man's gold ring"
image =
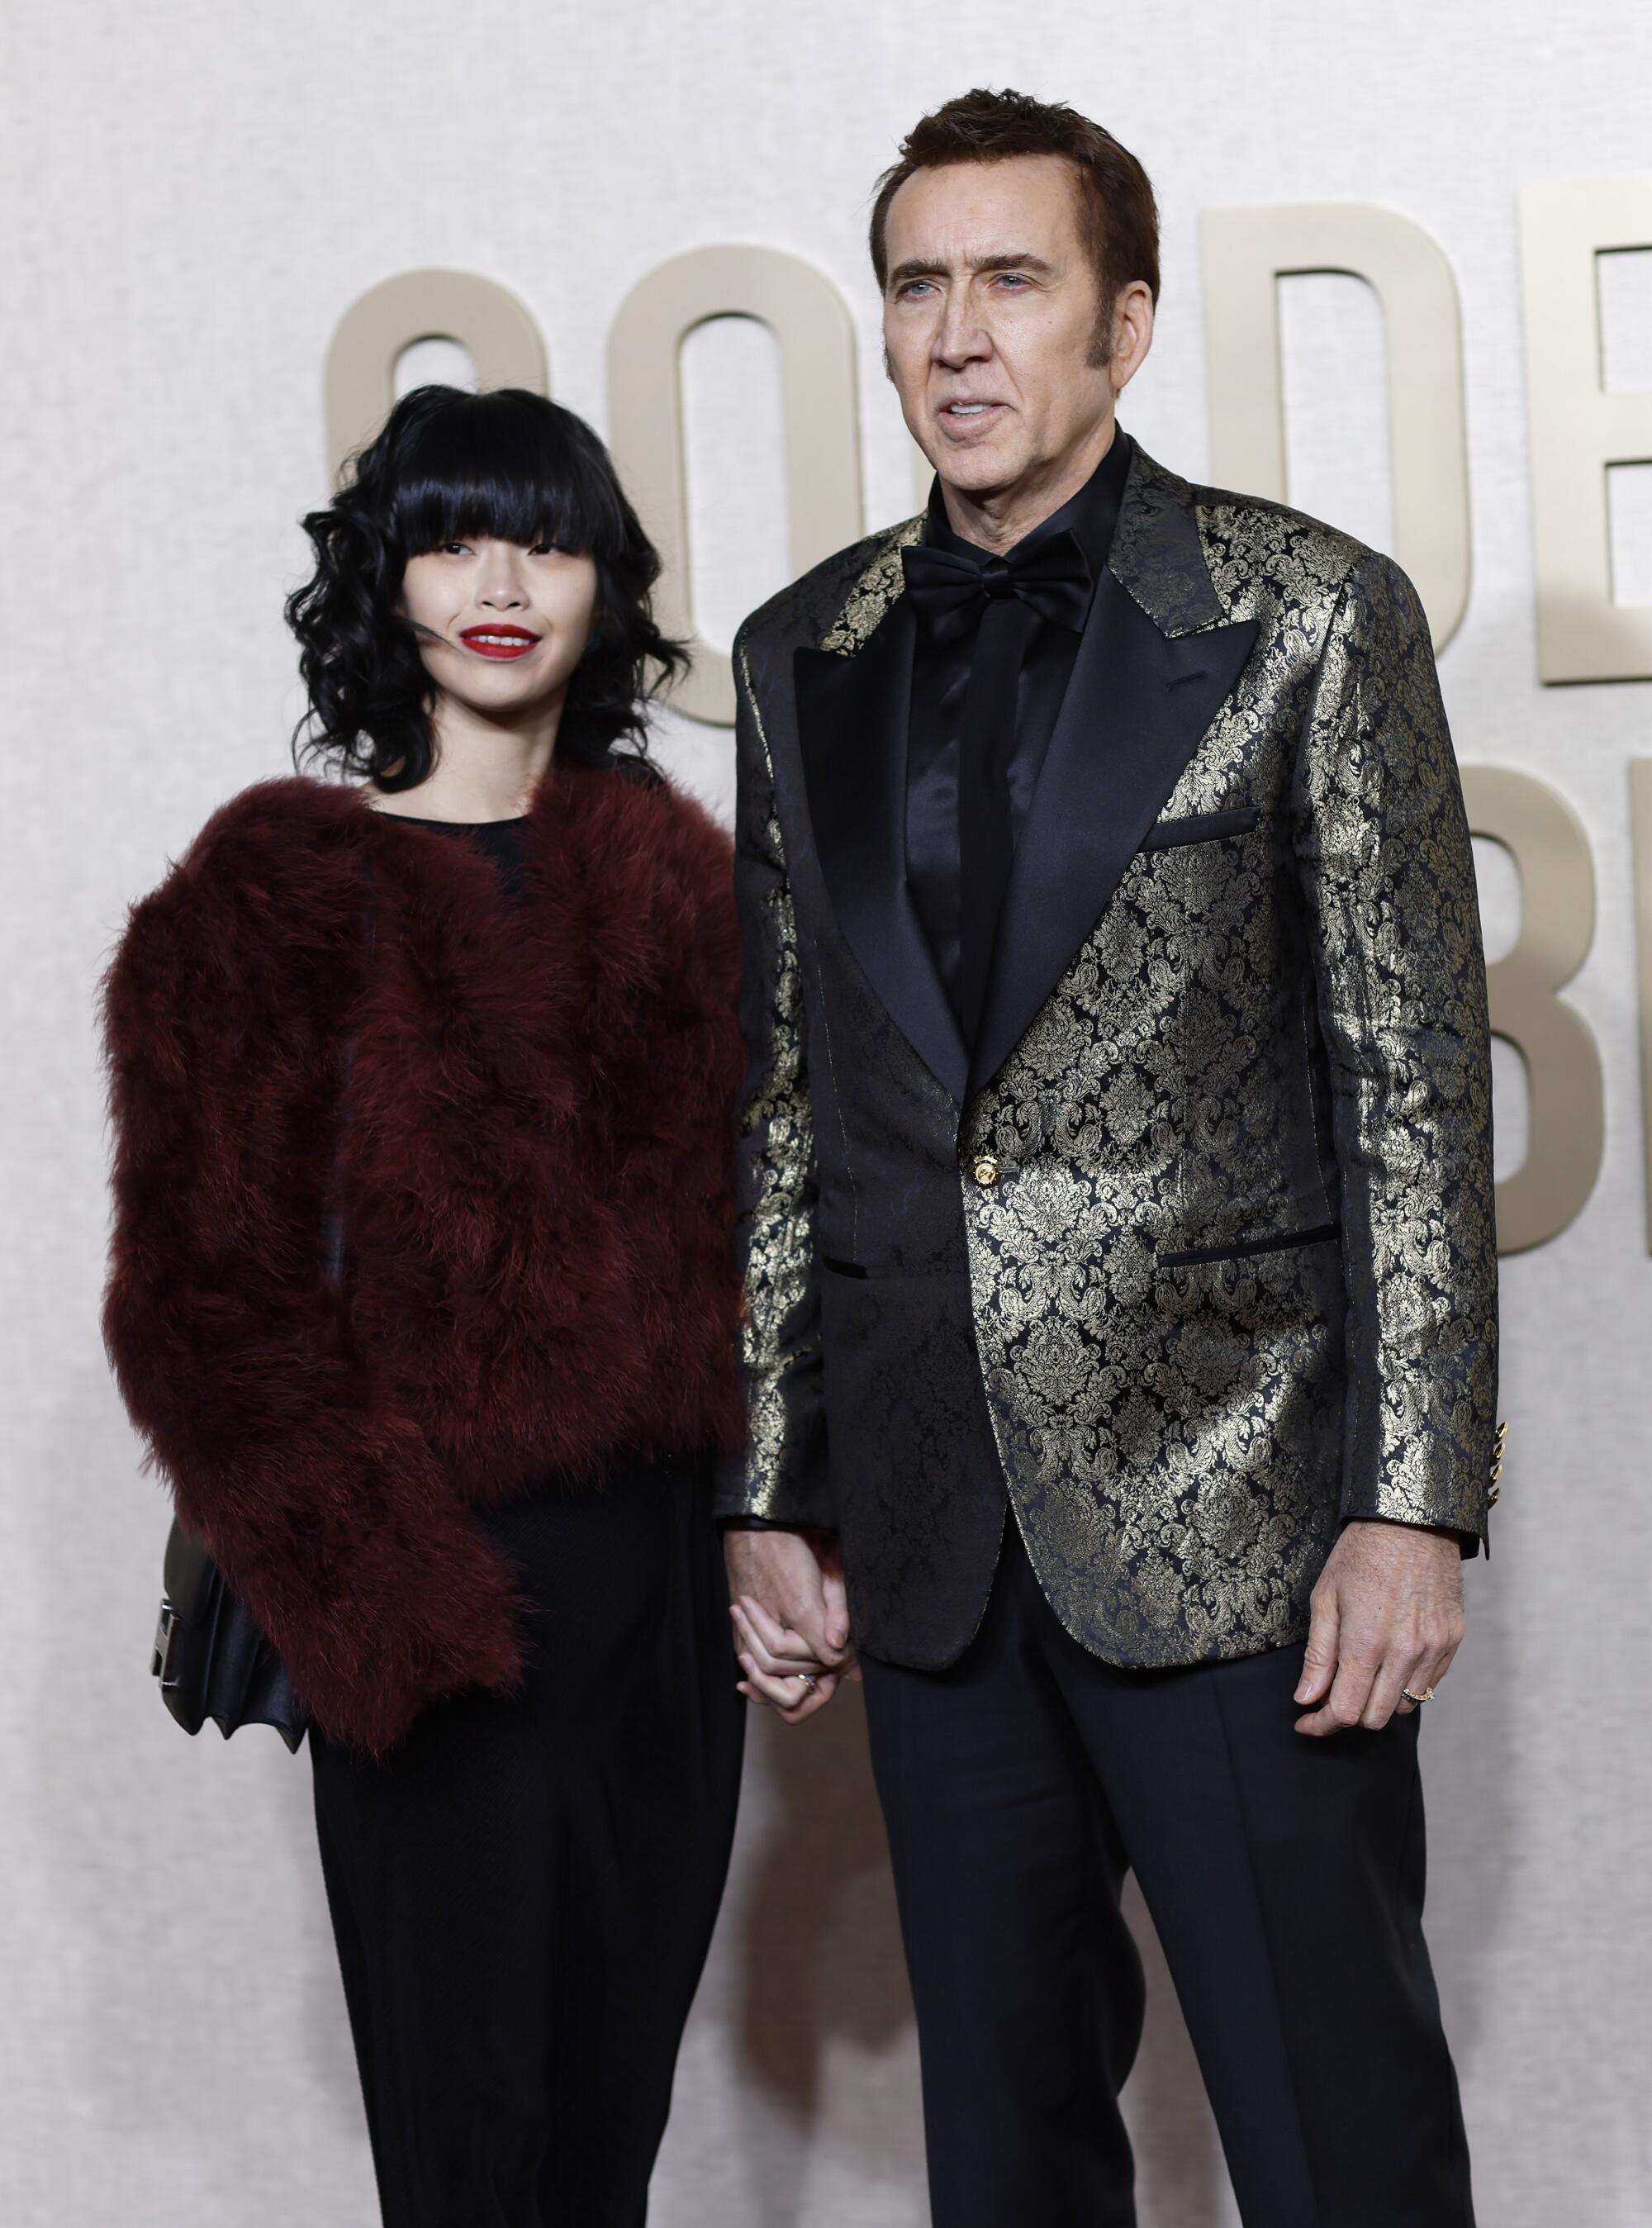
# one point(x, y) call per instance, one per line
point(1427, 1695)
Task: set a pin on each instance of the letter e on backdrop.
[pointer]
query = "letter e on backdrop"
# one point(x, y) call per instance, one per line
point(1580, 430)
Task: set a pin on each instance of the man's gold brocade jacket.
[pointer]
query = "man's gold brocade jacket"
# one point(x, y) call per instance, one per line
point(1192, 1256)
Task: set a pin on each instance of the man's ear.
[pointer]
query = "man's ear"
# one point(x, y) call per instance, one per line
point(1132, 332)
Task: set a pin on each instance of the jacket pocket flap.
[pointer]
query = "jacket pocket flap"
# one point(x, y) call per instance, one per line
point(1286, 1241)
point(1201, 828)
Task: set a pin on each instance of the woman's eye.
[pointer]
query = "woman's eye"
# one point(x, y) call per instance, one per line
point(456, 548)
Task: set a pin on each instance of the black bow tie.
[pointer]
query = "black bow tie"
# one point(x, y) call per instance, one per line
point(951, 588)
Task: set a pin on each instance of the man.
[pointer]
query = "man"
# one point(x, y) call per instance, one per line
point(1121, 1264)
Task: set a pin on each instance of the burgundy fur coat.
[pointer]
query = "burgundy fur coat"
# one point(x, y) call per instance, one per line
point(524, 1117)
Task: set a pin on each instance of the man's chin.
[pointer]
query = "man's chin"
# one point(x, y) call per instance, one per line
point(978, 469)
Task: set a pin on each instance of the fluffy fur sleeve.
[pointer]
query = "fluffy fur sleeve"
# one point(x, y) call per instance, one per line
point(226, 1015)
point(692, 1076)
point(664, 1059)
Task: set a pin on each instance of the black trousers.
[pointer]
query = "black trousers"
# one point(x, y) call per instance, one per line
point(523, 1893)
point(1284, 1876)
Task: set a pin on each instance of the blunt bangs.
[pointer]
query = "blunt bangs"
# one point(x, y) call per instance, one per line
point(507, 466)
point(451, 466)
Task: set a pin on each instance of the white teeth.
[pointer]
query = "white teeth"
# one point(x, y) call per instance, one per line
point(505, 641)
point(966, 409)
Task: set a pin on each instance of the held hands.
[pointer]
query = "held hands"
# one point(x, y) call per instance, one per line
point(791, 1617)
point(1387, 1613)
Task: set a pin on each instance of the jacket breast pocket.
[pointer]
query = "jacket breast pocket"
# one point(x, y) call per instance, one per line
point(1201, 828)
point(1247, 1249)
point(1284, 1291)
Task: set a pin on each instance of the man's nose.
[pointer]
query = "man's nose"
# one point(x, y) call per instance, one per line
point(961, 337)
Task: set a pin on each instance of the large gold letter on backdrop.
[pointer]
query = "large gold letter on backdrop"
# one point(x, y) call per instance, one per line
point(1640, 794)
point(1578, 428)
point(505, 346)
point(1536, 825)
point(1247, 252)
point(811, 320)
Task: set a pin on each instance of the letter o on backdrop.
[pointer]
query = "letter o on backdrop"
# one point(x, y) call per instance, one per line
point(506, 347)
point(810, 321)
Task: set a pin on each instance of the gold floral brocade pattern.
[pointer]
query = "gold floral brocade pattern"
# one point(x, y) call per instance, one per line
point(875, 589)
point(780, 1334)
point(1182, 1442)
point(1232, 1275)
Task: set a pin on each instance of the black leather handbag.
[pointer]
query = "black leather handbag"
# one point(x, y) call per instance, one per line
point(210, 1657)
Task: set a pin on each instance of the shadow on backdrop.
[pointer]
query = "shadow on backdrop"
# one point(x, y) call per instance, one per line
point(818, 1951)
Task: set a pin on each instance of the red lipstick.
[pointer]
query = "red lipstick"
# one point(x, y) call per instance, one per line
point(498, 641)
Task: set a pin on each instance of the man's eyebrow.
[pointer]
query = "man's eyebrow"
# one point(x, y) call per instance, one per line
point(920, 266)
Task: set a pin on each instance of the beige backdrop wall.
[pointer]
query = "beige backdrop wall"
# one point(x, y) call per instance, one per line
point(193, 196)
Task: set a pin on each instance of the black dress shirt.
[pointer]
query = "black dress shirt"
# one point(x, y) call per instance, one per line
point(940, 678)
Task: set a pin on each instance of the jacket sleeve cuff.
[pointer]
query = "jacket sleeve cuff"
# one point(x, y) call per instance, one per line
point(1471, 1542)
point(797, 1502)
point(767, 1524)
point(1462, 1506)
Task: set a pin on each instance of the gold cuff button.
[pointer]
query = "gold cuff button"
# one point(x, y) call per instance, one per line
point(987, 1170)
point(1493, 1496)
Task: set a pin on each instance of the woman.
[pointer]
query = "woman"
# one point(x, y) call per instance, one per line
point(422, 1293)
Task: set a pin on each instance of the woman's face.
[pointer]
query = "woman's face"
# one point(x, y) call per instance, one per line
point(501, 627)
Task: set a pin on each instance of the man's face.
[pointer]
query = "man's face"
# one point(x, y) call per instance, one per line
point(992, 323)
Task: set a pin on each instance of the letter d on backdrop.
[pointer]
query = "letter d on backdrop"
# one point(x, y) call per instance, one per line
point(1247, 252)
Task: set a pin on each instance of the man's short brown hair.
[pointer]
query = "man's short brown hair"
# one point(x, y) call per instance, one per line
point(1119, 219)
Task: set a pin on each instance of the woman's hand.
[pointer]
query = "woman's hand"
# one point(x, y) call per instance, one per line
point(790, 1619)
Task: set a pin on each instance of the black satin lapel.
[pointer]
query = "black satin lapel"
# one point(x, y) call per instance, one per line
point(853, 714)
point(1136, 710)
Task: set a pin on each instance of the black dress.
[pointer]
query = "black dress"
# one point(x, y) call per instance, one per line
point(524, 1893)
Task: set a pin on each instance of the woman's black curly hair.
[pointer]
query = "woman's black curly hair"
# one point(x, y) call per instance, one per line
point(449, 466)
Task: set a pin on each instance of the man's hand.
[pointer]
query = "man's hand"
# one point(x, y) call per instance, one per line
point(1387, 1613)
point(790, 1617)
